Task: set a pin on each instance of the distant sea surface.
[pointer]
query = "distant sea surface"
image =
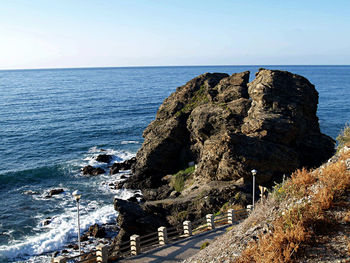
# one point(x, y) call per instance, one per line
point(54, 122)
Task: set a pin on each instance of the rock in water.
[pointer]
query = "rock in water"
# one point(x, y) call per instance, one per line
point(229, 127)
point(126, 165)
point(89, 170)
point(104, 158)
point(55, 191)
point(96, 231)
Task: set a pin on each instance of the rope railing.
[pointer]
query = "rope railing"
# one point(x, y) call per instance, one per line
point(163, 236)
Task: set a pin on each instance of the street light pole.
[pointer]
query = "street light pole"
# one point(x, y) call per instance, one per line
point(77, 196)
point(254, 172)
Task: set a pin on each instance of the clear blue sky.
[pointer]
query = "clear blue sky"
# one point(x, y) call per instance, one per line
point(102, 33)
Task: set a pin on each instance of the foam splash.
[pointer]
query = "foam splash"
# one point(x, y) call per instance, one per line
point(129, 142)
point(117, 156)
point(63, 228)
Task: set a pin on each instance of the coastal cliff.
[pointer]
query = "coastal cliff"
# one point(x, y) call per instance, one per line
point(223, 127)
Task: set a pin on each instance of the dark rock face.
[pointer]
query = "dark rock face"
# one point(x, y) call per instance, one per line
point(132, 219)
point(89, 170)
point(229, 126)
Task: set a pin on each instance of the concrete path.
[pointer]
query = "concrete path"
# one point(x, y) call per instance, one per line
point(177, 251)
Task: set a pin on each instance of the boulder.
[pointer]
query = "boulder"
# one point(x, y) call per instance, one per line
point(89, 170)
point(104, 158)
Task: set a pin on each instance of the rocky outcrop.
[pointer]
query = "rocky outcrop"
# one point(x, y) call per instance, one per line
point(229, 126)
point(226, 126)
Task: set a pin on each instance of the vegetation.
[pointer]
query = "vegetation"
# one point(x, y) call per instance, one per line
point(178, 180)
point(344, 137)
point(200, 97)
point(204, 245)
point(308, 195)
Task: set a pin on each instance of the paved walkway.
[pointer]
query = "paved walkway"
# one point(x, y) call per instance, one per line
point(177, 251)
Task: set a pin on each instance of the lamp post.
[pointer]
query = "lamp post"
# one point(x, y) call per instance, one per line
point(254, 172)
point(77, 195)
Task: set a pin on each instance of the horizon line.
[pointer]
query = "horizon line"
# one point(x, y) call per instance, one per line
point(115, 67)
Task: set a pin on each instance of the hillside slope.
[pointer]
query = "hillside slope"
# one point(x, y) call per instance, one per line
point(304, 219)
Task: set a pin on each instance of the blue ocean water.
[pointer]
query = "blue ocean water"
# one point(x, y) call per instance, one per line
point(55, 121)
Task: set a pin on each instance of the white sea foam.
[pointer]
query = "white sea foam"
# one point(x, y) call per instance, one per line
point(62, 229)
point(126, 193)
point(129, 142)
point(117, 156)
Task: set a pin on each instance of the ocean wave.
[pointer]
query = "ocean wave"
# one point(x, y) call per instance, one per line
point(63, 229)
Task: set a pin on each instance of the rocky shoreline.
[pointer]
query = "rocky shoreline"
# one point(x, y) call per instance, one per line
point(225, 126)
point(206, 138)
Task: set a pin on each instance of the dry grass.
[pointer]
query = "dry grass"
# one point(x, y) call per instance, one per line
point(344, 137)
point(304, 216)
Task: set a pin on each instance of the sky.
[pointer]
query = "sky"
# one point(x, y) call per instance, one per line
point(117, 33)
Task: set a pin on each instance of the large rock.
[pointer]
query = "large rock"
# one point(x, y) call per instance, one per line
point(104, 158)
point(126, 165)
point(229, 127)
point(90, 170)
point(132, 219)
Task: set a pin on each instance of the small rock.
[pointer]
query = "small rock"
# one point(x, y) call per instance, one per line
point(47, 221)
point(55, 191)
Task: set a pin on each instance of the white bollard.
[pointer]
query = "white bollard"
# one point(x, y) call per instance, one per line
point(102, 254)
point(187, 228)
point(59, 259)
point(135, 244)
point(162, 235)
point(210, 221)
point(230, 216)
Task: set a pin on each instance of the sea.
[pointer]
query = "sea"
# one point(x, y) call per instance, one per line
point(53, 122)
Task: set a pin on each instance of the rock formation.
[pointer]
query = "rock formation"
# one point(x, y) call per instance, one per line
point(226, 126)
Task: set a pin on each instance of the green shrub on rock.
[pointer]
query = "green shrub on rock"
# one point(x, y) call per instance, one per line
point(178, 179)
